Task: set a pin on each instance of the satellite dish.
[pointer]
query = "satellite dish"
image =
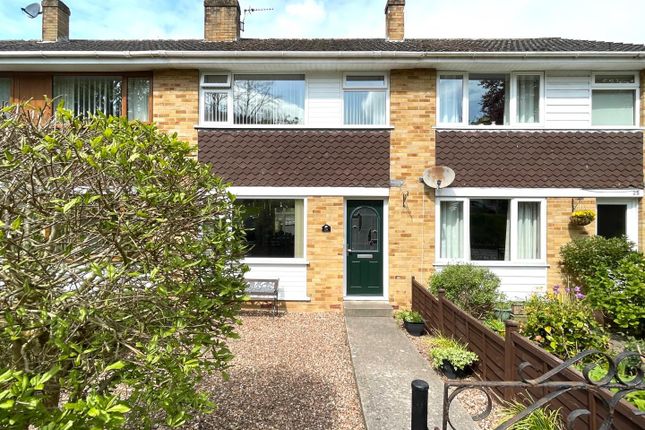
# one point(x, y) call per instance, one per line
point(33, 10)
point(438, 176)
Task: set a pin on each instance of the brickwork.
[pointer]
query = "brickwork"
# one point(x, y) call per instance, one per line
point(395, 20)
point(560, 231)
point(221, 20)
point(55, 20)
point(175, 100)
point(412, 149)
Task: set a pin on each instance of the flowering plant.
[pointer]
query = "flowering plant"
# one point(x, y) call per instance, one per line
point(585, 217)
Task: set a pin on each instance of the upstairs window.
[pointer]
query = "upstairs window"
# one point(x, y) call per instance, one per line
point(269, 99)
point(111, 95)
point(613, 99)
point(365, 99)
point(5, 92)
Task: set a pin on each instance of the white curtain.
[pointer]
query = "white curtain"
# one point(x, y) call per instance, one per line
point(138, 98)
point(365, 107)
point(452, 230)
point(451, 93)
point(528, 99)
point(299, 251)
point(507, 242)
point(528, 230)
point(5, 91)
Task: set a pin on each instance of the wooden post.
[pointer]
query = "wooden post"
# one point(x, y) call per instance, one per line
point(509, 352)
point(442, 324)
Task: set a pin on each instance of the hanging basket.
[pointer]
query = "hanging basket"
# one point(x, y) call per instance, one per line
point(582, 218)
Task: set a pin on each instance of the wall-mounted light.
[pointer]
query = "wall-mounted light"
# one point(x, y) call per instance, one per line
point(326, 228)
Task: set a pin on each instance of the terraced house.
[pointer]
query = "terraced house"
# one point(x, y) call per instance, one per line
point(324, 142)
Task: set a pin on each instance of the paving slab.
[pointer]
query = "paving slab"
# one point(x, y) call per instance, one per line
point(385, 364)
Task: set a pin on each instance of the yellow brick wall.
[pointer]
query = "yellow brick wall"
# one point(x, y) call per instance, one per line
point(395, 22)
point(412, 149)
point(55, 21)
point(560, 231)
point(221, 24)
point(175, 102)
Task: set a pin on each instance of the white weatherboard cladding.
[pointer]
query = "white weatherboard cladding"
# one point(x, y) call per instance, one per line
point(325, 99)
point(568, 99)
point(292, 277)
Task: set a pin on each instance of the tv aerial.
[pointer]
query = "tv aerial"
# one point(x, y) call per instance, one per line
point(32, 10)
point(250, 10)
point(438, 177)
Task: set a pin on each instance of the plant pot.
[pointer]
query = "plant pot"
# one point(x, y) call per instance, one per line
point(451, 373)
point(581, 220)
point(414, 329)
point(517, 308)
point(503, 314)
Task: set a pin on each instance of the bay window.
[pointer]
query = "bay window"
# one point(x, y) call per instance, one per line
point(613, 99)
point(274, 227)
point(479, 229)
point(5, 92)
point(111, 95)
point(365, 99)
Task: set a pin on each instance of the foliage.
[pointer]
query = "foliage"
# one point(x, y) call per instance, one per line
point(620, 294)
point(584, 217)
point(444, 348)
point(409, 316)
point(496, 325)
point(474, 289)
point(583, 257)
point(120, 278)
point(627, 370)
point(563, 324)
point(540, 419)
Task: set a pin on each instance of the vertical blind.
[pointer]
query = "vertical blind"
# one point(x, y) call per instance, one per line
point(528, 99)
point(138, 99)
point(215, 106)
point(5, 91)
point(365, 107)
point(91, 95)
point(269, 99)
point(613, 107)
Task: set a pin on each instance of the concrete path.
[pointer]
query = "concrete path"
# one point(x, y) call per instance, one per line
point(385, 364)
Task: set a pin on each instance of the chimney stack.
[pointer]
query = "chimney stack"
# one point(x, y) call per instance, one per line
point(221, 20)
point(395, 20)
point(55, 21)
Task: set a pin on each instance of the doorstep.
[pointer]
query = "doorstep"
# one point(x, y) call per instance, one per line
point(367, 309)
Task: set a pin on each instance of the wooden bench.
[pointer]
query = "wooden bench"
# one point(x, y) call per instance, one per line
point(263, 290)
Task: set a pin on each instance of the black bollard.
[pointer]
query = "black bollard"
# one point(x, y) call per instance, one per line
point(419, 405)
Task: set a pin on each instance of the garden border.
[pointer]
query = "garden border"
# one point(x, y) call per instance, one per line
point(500, 357)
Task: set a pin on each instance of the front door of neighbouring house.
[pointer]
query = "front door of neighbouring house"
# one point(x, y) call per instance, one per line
point(364, 247)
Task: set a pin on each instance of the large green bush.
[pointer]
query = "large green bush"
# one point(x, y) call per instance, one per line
point(120, 275)
point(620, 293)
point(563, 324)
point(472, 288)
point(582, 257)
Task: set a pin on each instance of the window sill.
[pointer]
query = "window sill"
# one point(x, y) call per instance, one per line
point(277, 261)
point(291, 127)
point(540, 264)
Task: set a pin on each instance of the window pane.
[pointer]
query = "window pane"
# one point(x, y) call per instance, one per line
point(452, 230)
point(365, 108)
point(612, 220)
point(490, 230)
point(528, 231)
point(5, 91)
point(274, 228)
point(269, 99)
point(613, 107)
point(488, 101)
point(93, 94)
point(215, 106)
point(364, 81)
point(451, 94)
point(614, 79)
point(138, 99)
point(216, 79)
point(364, 230)
point(528, 99)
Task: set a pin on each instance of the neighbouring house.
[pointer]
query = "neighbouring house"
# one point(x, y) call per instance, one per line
point(325, 141)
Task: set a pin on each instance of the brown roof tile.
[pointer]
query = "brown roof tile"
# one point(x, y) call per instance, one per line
point(298, 158)
point(544, 159)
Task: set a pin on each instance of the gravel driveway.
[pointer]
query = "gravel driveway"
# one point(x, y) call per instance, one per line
point(289, 372)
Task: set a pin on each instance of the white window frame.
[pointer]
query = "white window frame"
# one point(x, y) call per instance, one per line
point(631, 215)
point(514, 261)
point(202, 106)
point(384, 88)
point(512, 94)
point(635, 86)
point(203, 83)
point(275, 260)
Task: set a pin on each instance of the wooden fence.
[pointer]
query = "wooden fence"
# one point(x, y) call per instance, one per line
point(500, 357)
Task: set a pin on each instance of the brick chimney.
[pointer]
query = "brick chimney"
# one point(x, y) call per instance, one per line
point(395, 20)
point(221, 20)
point(55, 20)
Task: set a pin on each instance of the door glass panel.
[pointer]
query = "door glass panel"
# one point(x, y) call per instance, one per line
point(612, 220)
point(364, 230)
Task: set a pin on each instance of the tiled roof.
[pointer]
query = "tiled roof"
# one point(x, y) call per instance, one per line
point(543, 159)
point(298, 158)
point(547, 44)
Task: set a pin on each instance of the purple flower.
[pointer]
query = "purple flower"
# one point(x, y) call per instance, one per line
point(577, 289)
point(556, 289)
point(580, 296)
point(568, 290)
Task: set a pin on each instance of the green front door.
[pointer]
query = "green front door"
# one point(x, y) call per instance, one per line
point(364, 248)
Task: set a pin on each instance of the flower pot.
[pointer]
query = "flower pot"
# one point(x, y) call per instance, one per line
point(503, 314)
point(517, 308)
point(414, 329)
point(451, 373)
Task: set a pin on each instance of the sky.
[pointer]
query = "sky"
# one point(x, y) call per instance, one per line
point(614, 21)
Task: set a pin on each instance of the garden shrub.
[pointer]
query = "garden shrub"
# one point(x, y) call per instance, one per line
point(563, 324)
point(620, 294)
point(120, 279)
point(540, 419)
point(474, 289)
point(447, 349)
point(584, 256)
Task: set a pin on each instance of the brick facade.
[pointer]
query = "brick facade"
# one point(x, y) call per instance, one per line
point(395, 19)
point(221, 20)
point(55, 20)
point(412, 149)
point(175, 100)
